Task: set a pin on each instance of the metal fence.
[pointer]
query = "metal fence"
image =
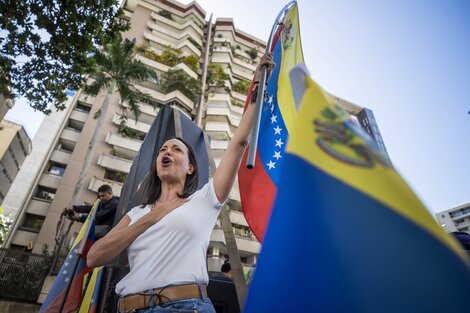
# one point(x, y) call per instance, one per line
point(22, 275)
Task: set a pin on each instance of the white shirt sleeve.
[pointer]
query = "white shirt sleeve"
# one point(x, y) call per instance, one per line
point(208, 192)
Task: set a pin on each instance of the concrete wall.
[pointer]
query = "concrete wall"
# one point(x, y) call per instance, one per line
point(16, 307)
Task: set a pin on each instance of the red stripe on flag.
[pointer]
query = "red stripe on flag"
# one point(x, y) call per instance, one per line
point(257, 193)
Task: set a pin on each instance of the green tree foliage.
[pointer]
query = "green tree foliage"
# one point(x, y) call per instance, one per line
point(253, 53)
point(217, 75)
point(114, 67)
point(171, 57)
point(242, 86)
point(165, 14)
point(180, 80)
point(5, 224)
point(192, 62)
point(45, 45)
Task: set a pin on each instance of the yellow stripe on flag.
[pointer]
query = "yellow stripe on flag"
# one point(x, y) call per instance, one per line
point(291, 56)
point(320, 138)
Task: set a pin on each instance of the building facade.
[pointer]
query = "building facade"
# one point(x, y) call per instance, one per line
point(455, 219)
point(15, 145)
point(181, 43)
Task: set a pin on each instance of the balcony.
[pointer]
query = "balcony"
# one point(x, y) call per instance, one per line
point(175, 25)
point(131, 123)
point(166, 68)
point(114, 163)
point(218, 127)
point(96, 182)
point(219, 144)
point(50, 180)
point(86, 98)
point(38, 207)
point(163, 98)
point(246, 246)
point(217, 235)
point(185, 45)
point(23, 237)
point(70, 134)
point(79, 116)
point(123, 142)
point(60, 156)
point(237, 218)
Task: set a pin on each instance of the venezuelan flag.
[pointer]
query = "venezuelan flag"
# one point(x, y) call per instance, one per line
point(92, 294)
point(258, 186)
point(347, 234)
point(73, 269)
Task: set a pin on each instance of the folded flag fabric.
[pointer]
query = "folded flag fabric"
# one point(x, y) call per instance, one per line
point(72, 272)
point(357, 238)
point(258, 186)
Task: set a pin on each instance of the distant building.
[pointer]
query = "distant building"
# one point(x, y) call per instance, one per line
point(5, 104)
point(15, 145)
point(455, 219)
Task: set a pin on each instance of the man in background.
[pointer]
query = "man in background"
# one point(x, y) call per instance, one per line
point(105, 212)
point(226, 273)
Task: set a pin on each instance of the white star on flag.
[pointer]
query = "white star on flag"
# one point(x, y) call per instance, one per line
point(66, 264)
point(277, 155)
point(270, 99)
point(277, 130)
point(273, 118)
point(279, 143)
point(271, 164)
point(64, 272)
point(70, 256)
point(67, 279)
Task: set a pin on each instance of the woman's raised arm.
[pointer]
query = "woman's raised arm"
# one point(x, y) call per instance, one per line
point(226, 172)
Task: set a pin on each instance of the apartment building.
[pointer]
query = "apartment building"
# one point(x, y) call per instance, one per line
point(15, 145)
point(455, 219)
point(215, 52)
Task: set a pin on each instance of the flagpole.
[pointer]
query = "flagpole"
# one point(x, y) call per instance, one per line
point(250, 163)
point(79, 254)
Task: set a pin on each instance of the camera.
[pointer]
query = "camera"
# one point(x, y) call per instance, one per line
point(68, 212)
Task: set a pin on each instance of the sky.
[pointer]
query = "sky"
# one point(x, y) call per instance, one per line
point(407, 61)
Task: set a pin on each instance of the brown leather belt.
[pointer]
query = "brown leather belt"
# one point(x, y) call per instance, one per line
point(137, 301)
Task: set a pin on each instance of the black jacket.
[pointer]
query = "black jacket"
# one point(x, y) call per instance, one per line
point(104, 214)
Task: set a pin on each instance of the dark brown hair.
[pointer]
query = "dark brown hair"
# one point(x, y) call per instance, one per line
point(153, 187)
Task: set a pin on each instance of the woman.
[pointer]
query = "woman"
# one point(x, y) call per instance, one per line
point(167, 238)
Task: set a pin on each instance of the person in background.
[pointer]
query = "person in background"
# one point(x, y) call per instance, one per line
point(225, 273)
point(105, 213)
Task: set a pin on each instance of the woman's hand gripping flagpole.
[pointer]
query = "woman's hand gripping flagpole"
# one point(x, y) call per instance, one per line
point(250, 163)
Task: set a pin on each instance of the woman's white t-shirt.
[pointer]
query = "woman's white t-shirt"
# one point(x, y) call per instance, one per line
point(173, 250)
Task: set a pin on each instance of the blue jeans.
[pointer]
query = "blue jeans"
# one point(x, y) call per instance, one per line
point(193, 305)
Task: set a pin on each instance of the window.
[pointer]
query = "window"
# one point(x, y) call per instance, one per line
point(32, 222)
point(5, 173)
point(13, 157)
point(57, 169)
point(45, 193)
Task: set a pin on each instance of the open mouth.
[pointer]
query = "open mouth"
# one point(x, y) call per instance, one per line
point(166, 161)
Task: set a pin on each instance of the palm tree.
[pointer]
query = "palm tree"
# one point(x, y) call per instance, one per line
point(115, 69)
